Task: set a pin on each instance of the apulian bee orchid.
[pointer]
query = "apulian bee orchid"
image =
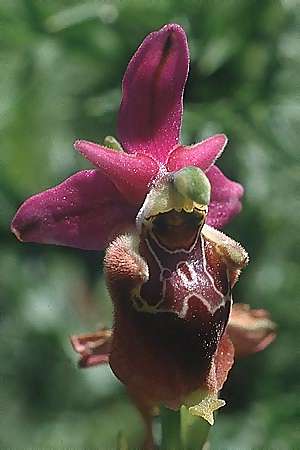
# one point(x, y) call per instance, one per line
point(170, 283)
point(170, 277)
point(179, 299)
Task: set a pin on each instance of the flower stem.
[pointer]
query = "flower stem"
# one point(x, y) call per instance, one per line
point(194, 430)
point(182, 431)
point(170, 427)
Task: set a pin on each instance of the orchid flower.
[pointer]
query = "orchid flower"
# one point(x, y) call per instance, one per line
point(170, 272)
point(175, 332)
point(93, 206)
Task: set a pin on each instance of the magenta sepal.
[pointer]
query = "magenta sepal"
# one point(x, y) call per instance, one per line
point(85, 211)
point(225, 198)
point(152, 102)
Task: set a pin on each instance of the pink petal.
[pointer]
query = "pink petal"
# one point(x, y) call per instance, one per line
point(85, 211)
point(131, 174)
point(202, 155)
point(225, 198)
point(251, 330)
point(94, 348)
point(151, 107)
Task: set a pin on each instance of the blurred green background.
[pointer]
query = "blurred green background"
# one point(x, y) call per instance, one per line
point(62, 62)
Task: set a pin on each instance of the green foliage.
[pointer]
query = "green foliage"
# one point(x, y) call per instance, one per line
point(61, 68)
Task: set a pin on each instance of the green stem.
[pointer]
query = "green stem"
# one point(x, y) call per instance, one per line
point(194, 430)
point(182, 431)
point(170, 427)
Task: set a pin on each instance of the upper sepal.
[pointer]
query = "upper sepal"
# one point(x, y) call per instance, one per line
point(151, 108)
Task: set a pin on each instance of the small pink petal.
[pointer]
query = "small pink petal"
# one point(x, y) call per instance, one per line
point(151, 108)
point(251, 330)
point(85, 211)
point(131, 174)
point(94, 348)
point(225, 198)
point(202, 155)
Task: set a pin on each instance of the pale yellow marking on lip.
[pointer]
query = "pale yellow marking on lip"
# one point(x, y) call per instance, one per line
point(206, 407)
point(188, 207)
